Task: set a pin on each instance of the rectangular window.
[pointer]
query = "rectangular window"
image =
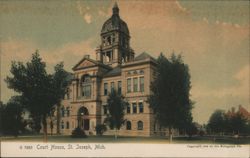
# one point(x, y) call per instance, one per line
point(68, 111)
point(128, 109)
point(105, 109)
point(135, 84)
point(105, 88)
point(62, 125)
point(62, 112)
point(68, 93)
point(140, 107)
point(67, 125)
point(129, 85)
point(134, 107)
point(119, 87)
point(86, 91)
point(112, 87)
point(142, 84)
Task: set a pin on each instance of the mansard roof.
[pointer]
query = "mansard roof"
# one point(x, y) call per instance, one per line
point(144, 56)
point(86, 62)
point(114, 72)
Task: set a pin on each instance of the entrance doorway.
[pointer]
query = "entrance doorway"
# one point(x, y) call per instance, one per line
point(83, 118)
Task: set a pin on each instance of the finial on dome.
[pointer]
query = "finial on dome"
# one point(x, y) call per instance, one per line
point(115, 9)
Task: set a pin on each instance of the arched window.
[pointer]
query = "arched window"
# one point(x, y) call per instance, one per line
point(67, 125)
point(86, 78)
point(86, 85)
point(128, 127)
point(62, 125)
point(109, 40)
point(139, 125)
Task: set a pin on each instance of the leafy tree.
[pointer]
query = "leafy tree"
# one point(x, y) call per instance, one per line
point(100, 129)
point(37, 88)
point(170, 93)
point(78, 133)
point(191, 129)
point(237, 124)
point(217, 122)
point(116, 105)
point(60, 83)
point(13, 122)
point(36, 123)
point(2, 107)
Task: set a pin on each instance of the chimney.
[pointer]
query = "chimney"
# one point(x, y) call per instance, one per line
point(86, 56)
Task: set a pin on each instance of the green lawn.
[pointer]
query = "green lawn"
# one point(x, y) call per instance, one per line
point(111, 139)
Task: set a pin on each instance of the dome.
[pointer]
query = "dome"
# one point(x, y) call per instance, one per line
point(115, 23)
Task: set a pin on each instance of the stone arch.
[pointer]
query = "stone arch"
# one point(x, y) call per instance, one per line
point(83, 118)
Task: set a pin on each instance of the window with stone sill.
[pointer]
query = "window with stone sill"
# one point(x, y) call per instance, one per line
point(62, 125)
point(105, 88)
point(105, 110)
point(141, 108)
point(139, 125)
point(141, 84)
point(62, 111)
point(67, 125)
point(119, 87)
point(68, 111)
point(86, 90)
point(128, 109)
point(134, 106)
point(129, 85)
point(112, 87)
point(135, 84)
point(128, 125)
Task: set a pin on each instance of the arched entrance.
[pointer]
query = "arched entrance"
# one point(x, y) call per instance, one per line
point(83, 118)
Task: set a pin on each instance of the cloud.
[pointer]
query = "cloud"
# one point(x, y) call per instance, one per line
point(84, 12)
point(241, 89)
point(87, 18)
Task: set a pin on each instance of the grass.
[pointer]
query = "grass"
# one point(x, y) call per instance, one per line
point(122, 139)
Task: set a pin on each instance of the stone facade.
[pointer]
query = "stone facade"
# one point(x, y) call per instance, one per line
point(115, 67)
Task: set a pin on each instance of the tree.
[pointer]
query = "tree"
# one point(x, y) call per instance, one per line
point(100, 129)
point(13, 122)
point(217, 122)
point(170, 93)
point(237, 124)
point(37, 88)
point(2, 107)
point(191, 129)
point(116, 105)
point(60, 82)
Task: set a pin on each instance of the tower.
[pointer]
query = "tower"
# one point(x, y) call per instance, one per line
point(115, 41)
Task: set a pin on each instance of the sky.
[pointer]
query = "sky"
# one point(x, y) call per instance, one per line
point(212, 36)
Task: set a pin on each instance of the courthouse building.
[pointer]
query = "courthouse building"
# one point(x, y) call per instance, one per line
point(116, 67)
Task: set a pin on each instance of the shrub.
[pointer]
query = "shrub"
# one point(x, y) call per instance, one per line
point(78, 133)
point(100, 129)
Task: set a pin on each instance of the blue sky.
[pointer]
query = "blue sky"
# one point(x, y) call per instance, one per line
point(212, 36)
